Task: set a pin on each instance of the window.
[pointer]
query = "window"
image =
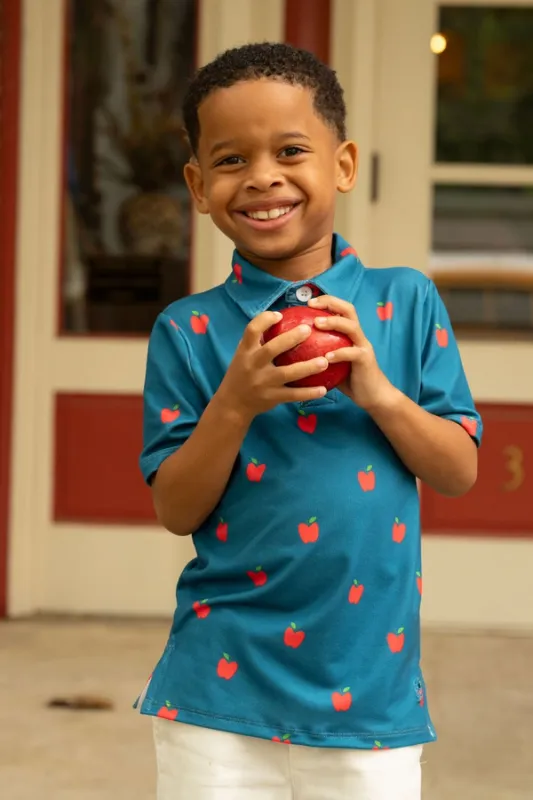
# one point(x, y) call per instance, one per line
point(482, 249)
point(126, 216)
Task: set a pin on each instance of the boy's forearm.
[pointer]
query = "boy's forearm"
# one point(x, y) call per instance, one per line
point(190, 482)
point(438, 451)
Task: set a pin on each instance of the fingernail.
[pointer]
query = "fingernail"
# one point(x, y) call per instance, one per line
point(321, 320)
point(321, 391)
point(277, 315)
point(330, 356)
point(305, 329)
point(322, 363)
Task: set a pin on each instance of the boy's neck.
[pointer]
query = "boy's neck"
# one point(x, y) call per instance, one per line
point(304, 266)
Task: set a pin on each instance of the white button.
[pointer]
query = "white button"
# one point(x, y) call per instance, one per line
point(304, 293)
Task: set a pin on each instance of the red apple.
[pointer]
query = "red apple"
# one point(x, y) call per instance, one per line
point(222, 530)
point(170, 414)
point(469, 424)
point(259, 578)
point(318, 343)
point(342, 700)
point(348, 251)
point(226, 667)
point(442, 336)
point(201, 608)
point(285, 739)
point(255, 470)
point(384, 310)
point(307, 423)
point(167, 712)
point(356, 592)
point(398, 530)
point(199, 322)
point(379, 746)
point(309, 531)
point(292, 637)
point(367, 479)
point(419, 582)
point(396, 641)
point(237, 272)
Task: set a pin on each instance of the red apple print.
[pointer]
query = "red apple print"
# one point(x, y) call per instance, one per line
point(226, 667)
point(348, 251)
point(255, 470)
point(167, 712)
point(237, 272)
point(285, 739)
point(442, 336)
point(356, 592)
point(202, 609)
point(259, 578)
point(222, 530)
point(398, 530)
point(342, 700)
point(385, 310)
point(309, 531)
point(367, 479)
point(292, 637)
point(174, 324)
point(419, 582)
point(170, 414)
point(199, 322)
point(469, 424)
point(396, 641)
point(307, 422)
point(379, 746)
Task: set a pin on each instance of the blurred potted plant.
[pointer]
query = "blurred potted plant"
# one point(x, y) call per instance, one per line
point(152, 148)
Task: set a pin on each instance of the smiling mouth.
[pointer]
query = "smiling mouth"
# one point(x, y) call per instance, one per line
point(272, 213)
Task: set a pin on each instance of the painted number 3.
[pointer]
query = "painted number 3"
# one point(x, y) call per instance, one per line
point(514, 464)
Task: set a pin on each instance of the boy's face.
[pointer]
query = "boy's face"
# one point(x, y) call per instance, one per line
point(263, 148)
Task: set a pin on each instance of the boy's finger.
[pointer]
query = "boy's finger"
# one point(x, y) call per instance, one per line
point(345, 354)
point(302, 369)
point(285, 341)
point(334, 304)
point(259, 325)
point(350, 327)
point(301, 394)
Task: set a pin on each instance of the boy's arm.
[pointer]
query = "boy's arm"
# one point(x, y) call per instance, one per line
point(191, 481)
point(438, 451)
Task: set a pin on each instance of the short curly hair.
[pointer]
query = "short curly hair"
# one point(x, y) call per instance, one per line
point(266, 60)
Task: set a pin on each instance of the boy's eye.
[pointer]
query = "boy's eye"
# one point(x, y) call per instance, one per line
point(290, 152)
point(229, 161)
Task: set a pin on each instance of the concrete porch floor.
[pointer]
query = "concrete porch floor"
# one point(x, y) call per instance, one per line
point(480, 692)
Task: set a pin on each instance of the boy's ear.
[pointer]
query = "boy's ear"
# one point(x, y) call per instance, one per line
point(347, 163)
point(195, 182)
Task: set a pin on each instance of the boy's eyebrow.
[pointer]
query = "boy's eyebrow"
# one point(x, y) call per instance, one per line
point(232, 142)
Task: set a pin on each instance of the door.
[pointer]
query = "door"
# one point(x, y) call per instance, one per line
point(92, 277)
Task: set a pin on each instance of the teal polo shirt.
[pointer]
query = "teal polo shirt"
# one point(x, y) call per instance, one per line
point(299, 618)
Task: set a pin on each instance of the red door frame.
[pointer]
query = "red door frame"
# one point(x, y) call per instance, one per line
point(10, 46)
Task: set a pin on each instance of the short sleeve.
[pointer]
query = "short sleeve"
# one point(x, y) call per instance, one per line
point(444, 388)
point(172, 401)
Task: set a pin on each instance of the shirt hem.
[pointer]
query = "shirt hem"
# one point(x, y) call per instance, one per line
point(258, 730)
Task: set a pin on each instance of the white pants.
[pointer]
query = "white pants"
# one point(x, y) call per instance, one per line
point(195, 763)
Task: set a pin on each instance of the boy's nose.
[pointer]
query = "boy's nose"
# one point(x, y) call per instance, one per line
point(262, 178)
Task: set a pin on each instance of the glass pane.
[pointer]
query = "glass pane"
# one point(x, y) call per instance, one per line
point(485, 85)
point(126, 232)
point(489, 309)
point(483, 219)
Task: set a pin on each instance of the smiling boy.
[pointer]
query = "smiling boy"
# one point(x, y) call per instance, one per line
point(298, 621)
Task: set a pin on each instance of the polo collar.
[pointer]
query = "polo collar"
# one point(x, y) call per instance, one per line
point(255, 290)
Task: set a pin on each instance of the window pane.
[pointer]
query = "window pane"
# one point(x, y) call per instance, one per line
point(126, 244)
point(483, 219)
point(485, 86)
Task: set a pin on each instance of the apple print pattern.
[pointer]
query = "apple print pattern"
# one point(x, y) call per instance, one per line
point(309, 568)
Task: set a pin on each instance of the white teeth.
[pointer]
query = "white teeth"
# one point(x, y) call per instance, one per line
point(274, 213)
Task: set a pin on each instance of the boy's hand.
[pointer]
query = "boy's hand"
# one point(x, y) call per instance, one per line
point(253, 384)
point(366, 385)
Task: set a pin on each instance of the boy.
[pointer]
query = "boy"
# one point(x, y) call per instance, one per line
point(298, 621)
